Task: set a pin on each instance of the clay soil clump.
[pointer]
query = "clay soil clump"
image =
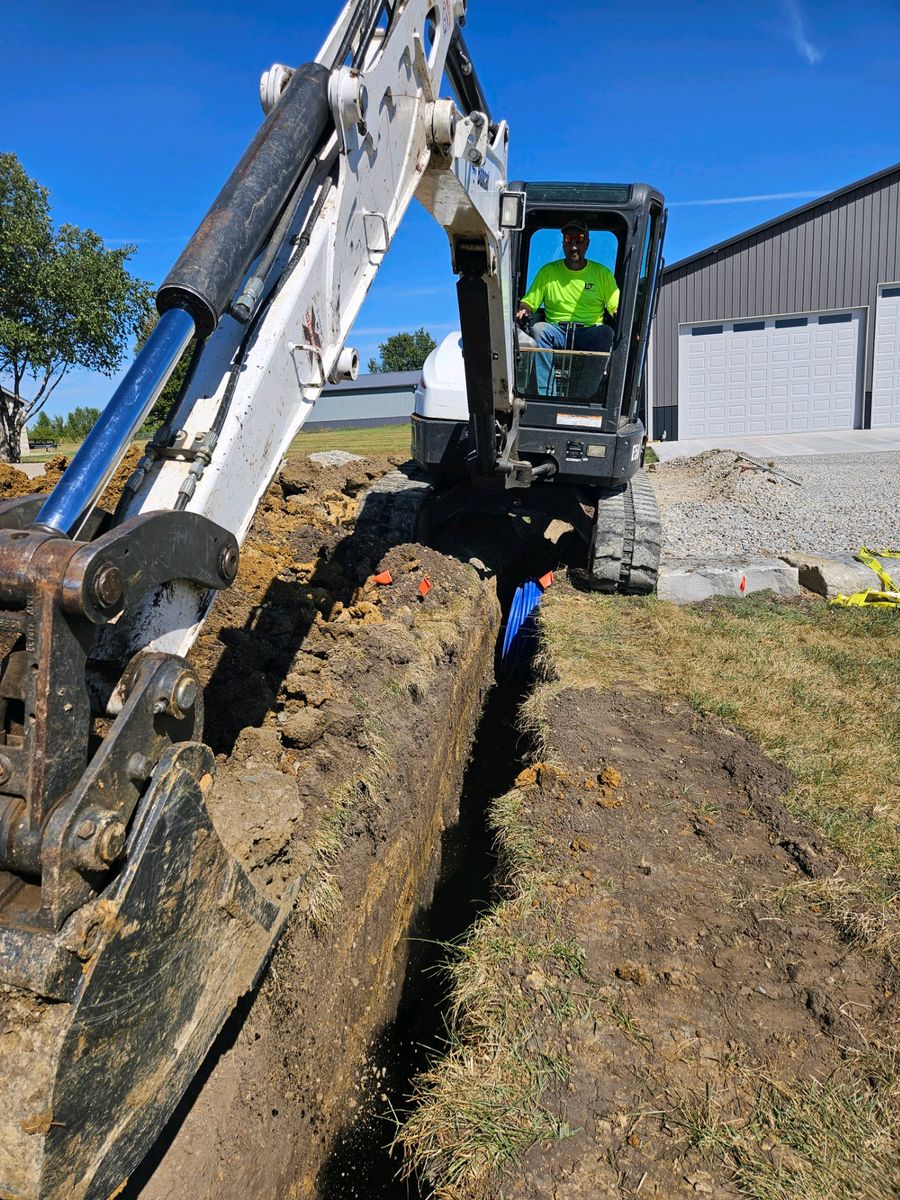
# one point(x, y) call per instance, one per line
point(14, 482)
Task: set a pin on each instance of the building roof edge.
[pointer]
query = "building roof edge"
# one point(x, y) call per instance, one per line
point(820, 202)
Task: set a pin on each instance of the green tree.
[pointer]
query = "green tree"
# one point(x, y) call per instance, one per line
point(403, 352)
point(47, 429)
point(65, 301)
point(79, 423)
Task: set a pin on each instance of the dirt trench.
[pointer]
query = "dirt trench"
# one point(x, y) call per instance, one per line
point(342, 711)
point(343, 685)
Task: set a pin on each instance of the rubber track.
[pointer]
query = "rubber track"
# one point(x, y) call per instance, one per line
point(625, 547)
point(643, 570)
point(391, 510)
point(607, 541)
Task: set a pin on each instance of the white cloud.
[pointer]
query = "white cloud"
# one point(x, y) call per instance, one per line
point(747, 199)
point(796, 31)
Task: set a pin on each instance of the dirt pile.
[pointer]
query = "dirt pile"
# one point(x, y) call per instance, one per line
point(717, 475)
point(341, 710)
point(14, 482)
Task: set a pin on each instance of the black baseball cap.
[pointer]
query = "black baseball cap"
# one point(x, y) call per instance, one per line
point(575, 224)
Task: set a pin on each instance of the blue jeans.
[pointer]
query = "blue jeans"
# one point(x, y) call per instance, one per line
point(568, 336)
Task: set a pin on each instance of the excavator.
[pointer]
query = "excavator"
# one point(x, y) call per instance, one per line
point(127, 930)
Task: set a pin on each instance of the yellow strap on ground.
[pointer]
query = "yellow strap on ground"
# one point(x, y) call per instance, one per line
point(887, 596)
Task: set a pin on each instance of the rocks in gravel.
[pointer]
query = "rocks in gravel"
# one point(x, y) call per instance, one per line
point(334, 458)
point(830, 577)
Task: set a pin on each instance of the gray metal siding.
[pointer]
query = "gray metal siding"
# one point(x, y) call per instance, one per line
point(343, 405)
point(830, 255)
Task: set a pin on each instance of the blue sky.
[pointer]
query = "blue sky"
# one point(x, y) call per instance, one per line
point(133, 116)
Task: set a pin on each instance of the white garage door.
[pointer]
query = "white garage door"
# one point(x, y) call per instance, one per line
point(786, 374)
point(886, 360)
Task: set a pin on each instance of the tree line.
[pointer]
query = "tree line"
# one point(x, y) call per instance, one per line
point(66, 300)
point(73, 427)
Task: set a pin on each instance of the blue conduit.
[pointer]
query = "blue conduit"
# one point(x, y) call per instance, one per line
point(518, 641)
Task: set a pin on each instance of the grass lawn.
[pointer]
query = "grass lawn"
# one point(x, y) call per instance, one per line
point(382, 439)
point(39, 456)
point(814, 686)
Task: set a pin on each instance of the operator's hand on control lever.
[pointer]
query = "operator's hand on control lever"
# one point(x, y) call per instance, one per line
point(523, 312)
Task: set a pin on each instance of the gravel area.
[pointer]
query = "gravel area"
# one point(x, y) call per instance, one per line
point(714, 504)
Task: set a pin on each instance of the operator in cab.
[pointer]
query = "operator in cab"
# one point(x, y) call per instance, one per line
point(576, 295)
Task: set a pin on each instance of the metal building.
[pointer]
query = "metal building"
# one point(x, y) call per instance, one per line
point(384, 399)
point(790, 327)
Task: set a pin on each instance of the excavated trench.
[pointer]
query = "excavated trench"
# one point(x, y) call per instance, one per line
point(359, 737)
point(361, 1165)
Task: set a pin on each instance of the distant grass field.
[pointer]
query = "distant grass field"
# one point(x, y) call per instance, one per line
point(39, 456)
point(382, 439)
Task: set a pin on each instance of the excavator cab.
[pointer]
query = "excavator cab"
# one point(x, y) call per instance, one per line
point(572, 444)
point(594, 394)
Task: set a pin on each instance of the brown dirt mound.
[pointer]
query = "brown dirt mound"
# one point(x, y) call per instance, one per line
point(14, 482)
point(717, 475)
point(341, 711)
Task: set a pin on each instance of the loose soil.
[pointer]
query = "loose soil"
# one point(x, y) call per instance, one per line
point(651, 977)
point(342, 712)
point(14, 482)
point(720, 475)
point(710, 987)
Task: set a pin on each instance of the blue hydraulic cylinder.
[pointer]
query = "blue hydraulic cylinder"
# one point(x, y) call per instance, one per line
point(73, 498)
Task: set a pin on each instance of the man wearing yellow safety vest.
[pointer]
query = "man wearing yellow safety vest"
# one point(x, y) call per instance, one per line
point(576, 295)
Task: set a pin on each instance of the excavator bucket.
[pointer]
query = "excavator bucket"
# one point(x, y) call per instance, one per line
point(161, 957)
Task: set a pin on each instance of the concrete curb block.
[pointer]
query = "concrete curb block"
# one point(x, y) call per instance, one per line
point(830, 577)
point(685, 580)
